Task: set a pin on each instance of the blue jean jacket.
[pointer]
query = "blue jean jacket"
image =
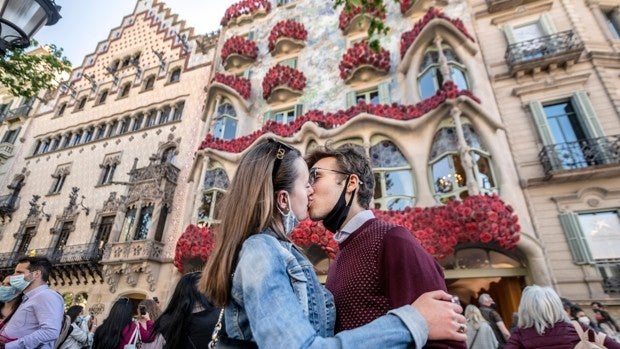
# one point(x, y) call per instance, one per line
point(278, 302)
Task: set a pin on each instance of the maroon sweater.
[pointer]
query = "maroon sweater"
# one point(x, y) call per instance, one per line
point(380, 267)
point(561, 336)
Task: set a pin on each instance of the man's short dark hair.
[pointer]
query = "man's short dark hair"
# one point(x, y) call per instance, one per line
point(599, 304)
point(39, 263)
point(350, 158)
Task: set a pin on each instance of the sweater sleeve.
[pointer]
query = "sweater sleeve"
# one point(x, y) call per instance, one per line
point(408, 270)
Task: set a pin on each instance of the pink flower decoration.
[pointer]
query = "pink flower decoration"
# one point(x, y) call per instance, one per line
point(244, 7)
point(283, 75)
point(241, 46)
point(360, 53)
point(238, 83)
point(288, 29)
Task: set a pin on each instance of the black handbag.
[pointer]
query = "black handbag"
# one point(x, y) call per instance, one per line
point(222, 341)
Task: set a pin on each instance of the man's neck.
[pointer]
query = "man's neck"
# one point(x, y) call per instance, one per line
point(33, 285)
point(353, 211)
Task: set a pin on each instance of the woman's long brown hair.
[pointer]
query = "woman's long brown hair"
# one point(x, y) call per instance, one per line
point(247, 209)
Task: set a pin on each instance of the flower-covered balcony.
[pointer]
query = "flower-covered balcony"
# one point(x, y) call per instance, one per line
point(238, 52)
point(501, 5)
point(240, 84)
point(193, 248)
point(283, 83)
point(358, 19)
point(245, 11)
point(287, 37)
point(546, 52)
point(587, 153)
point(361, 64)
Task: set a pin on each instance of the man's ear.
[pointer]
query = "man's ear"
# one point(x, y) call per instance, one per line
point(354, 182)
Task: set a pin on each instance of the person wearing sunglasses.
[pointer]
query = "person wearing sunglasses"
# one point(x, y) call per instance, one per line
point(379, 266)
point(269, 289)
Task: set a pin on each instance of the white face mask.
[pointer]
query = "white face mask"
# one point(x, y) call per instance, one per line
point(584, 320)
point(289, 220)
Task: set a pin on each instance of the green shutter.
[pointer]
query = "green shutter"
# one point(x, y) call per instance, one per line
point(509, 33)
point(250, 35)
point(384, 92)
point(351, 99)
point(247, 73)
point(267, 116)
point(299, 110)
point(587, 115)
point(540, 118)
point(547, 24)
point(575, 238)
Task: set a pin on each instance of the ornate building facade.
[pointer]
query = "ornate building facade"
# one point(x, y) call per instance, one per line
point(104, 162)
point(465, 99)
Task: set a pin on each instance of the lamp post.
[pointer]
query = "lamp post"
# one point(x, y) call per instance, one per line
point(21, 19)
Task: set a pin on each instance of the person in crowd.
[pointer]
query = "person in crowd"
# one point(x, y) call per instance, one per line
point(152, 308)
point(118, 328)
point(380, 266)
point(37, 320)
point(543, 323)
point(10, 298)
point(568, 307)
point(268, 288)
point(479, 333)
point(606, 323)
point(487, 308)
point(189, 319)
point(79, 336)
point(579, 315)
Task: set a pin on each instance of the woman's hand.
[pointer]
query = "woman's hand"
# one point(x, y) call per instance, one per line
point(443, 317)
point(144, 318)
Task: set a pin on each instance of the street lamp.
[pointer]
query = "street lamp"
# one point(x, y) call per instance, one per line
point(21, 19)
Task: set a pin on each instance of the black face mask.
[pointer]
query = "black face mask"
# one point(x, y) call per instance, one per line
point(334, 219)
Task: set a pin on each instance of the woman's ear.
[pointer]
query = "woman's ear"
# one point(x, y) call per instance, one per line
point(282, 201)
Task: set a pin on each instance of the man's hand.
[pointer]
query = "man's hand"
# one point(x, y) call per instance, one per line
point(443, 317)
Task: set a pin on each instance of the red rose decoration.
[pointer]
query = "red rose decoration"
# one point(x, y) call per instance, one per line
point(288, 29)
point(241, 46)
point(346, 16)
point(239, 84)
point(244, 7)
point(194, 243)
point(283, 75)
point(360, 53)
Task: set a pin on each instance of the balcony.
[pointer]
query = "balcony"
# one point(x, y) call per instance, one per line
point(546, 52)
point(133, 251)
point(18, 112)
point(8, 204)
point(501, 5)
point(600, 152)
point(156, 172)
point(6, 150)
point(75, 263)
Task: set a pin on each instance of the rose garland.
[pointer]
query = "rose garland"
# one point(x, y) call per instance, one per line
point(283, 75)
point(244, 7)
point(360, 53)
point(239, 45)
point(288, 29)
point(240, 84)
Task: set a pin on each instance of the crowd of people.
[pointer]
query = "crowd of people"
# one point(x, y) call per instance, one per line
point(258, 290)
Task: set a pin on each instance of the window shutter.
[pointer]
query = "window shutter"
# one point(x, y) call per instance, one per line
point(576, 240)
point(267, 116)
point(540, 118)
point(299, 110)
point(384, 92)
point(547, 24)
point(250, 35)
point(587, 115)
point(509, 33)
point(14, 135)
point(351, 99)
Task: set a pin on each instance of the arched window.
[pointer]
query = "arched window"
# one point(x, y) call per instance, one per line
point(81, 103)
point(430, 78)
point(169, 156)
point(149, 83)
point(125, 90)
point(151, 118)
point(214, 187)
point(175, 75)
point(61, 109)
point(114, 65)
point(165, 115)
point(102, 97)
point(446, 166)
point(137, 122)
point(394, 189)
point(226, 121)
point(178, 111)
point(124, 126)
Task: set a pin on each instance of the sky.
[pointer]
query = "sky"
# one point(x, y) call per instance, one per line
point(84, 23)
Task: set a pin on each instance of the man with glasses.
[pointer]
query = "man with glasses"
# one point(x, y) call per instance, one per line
point(38, 319)
point(380, 266)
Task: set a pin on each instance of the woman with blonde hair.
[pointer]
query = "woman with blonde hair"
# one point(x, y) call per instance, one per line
point(269, 290)
point(543, 323)
point(479, 333)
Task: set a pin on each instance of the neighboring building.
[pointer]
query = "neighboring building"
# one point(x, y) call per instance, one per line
point(527, 65)
point(555, 68)
point(107, 160)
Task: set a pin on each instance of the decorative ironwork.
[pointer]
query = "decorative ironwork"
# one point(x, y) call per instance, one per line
point(580, 154)
point(75, 263)
point(8, 204)
point(155, 171)
point(610, 271)
point(37, 209)
point(556, 48)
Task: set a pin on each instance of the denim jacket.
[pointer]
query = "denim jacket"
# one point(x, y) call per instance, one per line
point(278, 302)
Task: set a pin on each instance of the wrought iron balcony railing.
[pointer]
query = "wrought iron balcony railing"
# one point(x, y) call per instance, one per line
point(8, 203)
point(23, 110)
point(6, 150)
point(500, 5)
point(72, 254)
point(557, 48)
point(580, 154)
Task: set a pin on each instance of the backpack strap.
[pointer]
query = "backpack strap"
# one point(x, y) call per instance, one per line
point(599, 337)
point(135, 336)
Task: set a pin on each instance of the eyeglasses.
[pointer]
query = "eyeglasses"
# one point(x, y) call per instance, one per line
point(312, 177)
point(281, 150)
